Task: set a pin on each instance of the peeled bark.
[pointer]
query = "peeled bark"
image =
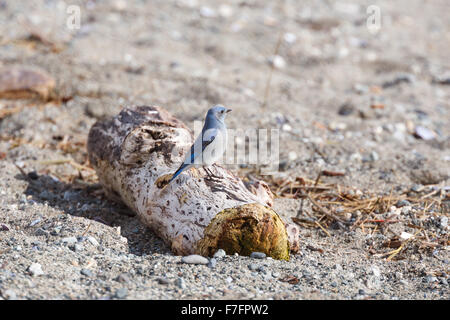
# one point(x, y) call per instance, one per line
point(201, 211)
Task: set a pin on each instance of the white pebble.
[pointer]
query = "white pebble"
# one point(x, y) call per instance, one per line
point(225, 11)
point(405, 235)
point(208, 12)
point(93, 241)
point(69, 240)
point(289, 37)
point(424, 133)
point(220, 253)
point(278, 62)
point(35, 269)
point(292, 155)
point(376, 271)
point(194, 259)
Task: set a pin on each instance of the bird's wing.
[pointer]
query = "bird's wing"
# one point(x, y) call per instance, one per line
point(202, 141)
point(196, 152)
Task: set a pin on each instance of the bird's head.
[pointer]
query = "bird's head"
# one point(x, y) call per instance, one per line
point(219, 112)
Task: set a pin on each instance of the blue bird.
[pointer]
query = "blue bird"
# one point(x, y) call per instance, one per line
point(210, 145)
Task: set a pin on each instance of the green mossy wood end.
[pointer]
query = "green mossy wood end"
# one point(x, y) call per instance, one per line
point(246, 229)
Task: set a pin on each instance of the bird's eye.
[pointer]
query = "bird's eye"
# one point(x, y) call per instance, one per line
point(221, 111)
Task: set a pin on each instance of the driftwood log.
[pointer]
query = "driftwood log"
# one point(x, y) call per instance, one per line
point(201, 211)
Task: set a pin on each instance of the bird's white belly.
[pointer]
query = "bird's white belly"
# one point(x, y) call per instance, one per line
point(214, 151)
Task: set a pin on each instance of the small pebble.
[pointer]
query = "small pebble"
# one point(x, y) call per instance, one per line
point(292, 155)
point(289, 37)
point(401, 77)
point(257, 255)
point(194, 259)
point(69, 240)
point(33, 175)
point(121, 293)
point(278, 62)
point(444, 222)
point(262, 269)
point(93, 241)
point(180, 283)
point(252, 266)
point(123, 278)
point(346, 109)
point(225, 11)
point(56, 230)
point(424, 133)
point(417, 188)
point(208, 12)
point(360, 88)
point(35, 222)
point(212, 263)
point(376, 271)
point(9, 294)
point(405, 235)
point(442, 79)
point(163, 281)
point(374, 156)
point(402, 203)
point(87, 272)
point(220, 254)
point(35, 269)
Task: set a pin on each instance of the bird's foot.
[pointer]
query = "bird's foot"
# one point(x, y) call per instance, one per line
point(210, 173)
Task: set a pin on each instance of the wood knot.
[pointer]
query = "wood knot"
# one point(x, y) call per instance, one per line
point(163, 180)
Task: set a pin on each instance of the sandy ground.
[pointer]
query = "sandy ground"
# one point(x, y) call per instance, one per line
point(373, 106)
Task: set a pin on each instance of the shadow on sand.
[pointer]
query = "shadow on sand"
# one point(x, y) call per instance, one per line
point(89, 201)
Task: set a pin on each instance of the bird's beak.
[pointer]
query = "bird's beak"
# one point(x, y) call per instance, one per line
point(228, 110)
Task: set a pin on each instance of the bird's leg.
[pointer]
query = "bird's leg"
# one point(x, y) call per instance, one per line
point(208, 172)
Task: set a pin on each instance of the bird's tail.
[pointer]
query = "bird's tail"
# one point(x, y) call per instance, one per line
point(180, 169)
